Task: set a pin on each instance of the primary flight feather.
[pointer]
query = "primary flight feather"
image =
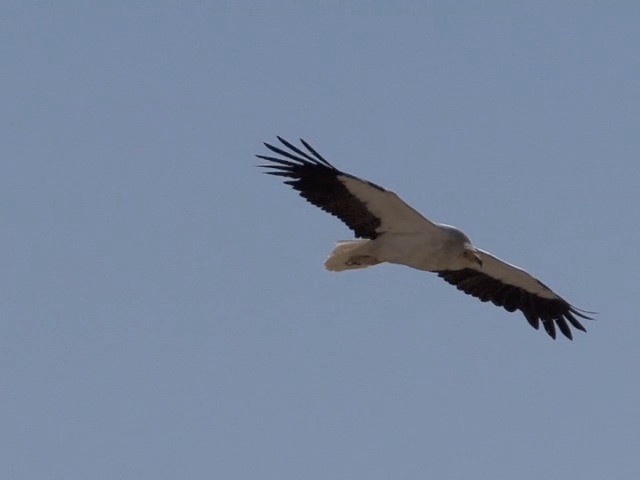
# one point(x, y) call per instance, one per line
point(391, 231)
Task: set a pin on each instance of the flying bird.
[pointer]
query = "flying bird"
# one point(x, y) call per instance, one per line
point(391, 231)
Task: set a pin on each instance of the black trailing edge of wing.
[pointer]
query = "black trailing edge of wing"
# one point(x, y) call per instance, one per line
point(319, 183)
point(551, 312)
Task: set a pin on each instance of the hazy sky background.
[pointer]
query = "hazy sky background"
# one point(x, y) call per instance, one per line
point(164, 312)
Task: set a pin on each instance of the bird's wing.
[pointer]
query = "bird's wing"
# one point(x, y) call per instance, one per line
point(514, 289)
point(366, 208)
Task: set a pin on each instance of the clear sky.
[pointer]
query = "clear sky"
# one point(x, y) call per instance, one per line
point(164, 312)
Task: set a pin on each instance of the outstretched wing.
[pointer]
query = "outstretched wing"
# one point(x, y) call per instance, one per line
point(366, 208)
point(508, 286)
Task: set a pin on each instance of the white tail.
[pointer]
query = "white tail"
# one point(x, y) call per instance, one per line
point(349, 255)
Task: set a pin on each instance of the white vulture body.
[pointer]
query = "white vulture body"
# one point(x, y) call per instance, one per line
point(393, 232)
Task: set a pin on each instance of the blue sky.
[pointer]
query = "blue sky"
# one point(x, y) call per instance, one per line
point(164, 312)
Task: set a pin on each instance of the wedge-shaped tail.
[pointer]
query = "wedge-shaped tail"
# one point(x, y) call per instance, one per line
point(350, 255)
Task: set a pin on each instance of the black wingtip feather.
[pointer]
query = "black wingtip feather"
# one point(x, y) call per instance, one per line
point(284, 153)
point(564, 328)
point(532, 319)
point(549, 327)
point(574, 321)
point(583, 313)
point(296, 149)
point(316, 154)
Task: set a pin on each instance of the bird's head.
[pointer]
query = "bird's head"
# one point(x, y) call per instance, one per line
point(472, 256)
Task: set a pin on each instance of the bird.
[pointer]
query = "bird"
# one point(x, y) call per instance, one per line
point(388, 230)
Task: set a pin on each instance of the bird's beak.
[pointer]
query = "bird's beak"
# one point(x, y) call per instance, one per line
point(478, 259)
